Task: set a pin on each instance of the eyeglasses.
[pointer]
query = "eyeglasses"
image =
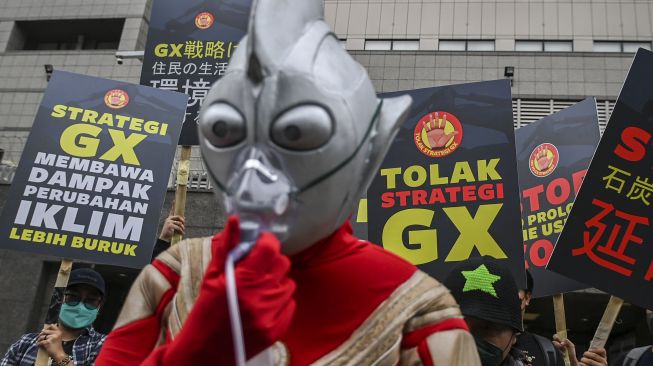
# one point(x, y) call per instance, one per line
point(73, 299)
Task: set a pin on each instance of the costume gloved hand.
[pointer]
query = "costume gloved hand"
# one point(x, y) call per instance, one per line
point(265, 301)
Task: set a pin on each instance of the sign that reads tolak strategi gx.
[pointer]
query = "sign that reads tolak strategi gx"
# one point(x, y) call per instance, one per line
point(552, 158)
point(189, 44)
point(93, 174)
point(448, 190)
point(606, 242)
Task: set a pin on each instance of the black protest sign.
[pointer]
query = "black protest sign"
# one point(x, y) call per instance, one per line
point(91, 181)
point(552, 158)
point(189, 44)
point(606, 242)
point(448, 190)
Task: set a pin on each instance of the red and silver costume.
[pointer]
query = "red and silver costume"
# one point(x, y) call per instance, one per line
point(293, 107)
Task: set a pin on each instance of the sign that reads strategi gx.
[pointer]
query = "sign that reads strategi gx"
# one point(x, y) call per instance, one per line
point(606, 242)
point(93, 174)
point(552, 156)
point(447, 190)
point(189, 45)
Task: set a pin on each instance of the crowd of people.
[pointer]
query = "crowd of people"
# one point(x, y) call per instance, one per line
point(486, 292)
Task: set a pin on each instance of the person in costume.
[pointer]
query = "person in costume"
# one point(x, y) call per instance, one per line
point(291, 135)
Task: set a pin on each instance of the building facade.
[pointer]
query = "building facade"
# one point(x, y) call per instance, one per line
point(555, 52)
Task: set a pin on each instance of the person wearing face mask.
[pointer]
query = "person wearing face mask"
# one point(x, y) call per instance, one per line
point(72, 341)
point(487, 295)
point(641, 356)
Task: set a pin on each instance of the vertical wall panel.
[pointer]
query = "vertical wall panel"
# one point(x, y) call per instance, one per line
point(505, 18)
point(357, 20)
point(643, 19)
point(628, 21)
point(400, 20)
point(550, 20)
point(460, 20)
point(414, 20)
point(582, 20)
point(599, 21)
point(474, 20)
point(535, 20)
point(613, 13)
point(565, 23)
point(446, 20)
point(373, 20)
point(342, 18)
point(521, 20)
point(387, 17)
point(488, 28)
point(429, 26)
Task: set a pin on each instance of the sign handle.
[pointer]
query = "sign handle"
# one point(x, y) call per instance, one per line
point(183, 172)
point(561, 322)
point(55, 304)
point(607, 321)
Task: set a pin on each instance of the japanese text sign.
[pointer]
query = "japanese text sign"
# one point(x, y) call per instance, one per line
point(189, 44)
point(607, 240)
point(91, 181)
point(552, 158)
point(448, 190)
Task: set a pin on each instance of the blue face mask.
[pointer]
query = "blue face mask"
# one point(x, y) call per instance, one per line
point(77, 316)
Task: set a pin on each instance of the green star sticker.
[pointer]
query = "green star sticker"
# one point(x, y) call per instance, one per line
point(480, 279)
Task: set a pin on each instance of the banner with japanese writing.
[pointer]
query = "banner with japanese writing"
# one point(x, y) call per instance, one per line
point(448, 189)
point(552, 158)
point(189, 44)
point(607, 240)
point(92, 178)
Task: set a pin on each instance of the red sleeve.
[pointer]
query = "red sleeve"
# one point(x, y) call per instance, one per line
point(133, 342)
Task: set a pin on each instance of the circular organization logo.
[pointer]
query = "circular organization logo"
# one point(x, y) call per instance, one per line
point(438, 134)
point(116, 98)
point(204, 20)
point(544, 160)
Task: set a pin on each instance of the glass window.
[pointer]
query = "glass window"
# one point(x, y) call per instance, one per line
point(558, 46)
point(634, 46)
point(377, 45)
point(452, 46)
point(412, 45)
point(528, 46)
point(67, 34)
point(480, 45)
point(600, 46)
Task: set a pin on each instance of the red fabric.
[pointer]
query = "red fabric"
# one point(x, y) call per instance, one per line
point(425, 354)
point(265, 299)
point(340, 280)
point(167, 272)
point(414, 338)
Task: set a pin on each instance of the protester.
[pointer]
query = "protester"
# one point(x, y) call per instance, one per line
point(592, 357)
point(539, 351)
point(173, 223)
point(291, 135)
point(641, 356)
point(72, 341)
point(487, 295)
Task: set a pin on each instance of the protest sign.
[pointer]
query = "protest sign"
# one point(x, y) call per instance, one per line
point(91, 181)
point(552, 158)
point(189, 44)
point(606, 242)
point(448, 189)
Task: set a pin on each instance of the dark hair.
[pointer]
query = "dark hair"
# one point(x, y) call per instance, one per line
point(484, 328)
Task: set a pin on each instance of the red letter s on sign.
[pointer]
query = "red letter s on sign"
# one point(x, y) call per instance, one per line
point(634, 139)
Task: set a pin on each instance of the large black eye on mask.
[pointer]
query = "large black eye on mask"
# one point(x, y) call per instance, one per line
point(223, 125)
point(305, 127)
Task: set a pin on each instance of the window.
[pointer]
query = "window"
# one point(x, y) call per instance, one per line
point(408, 45)
point(396, 45)
point(528, 46)
point(600, 46)
point(378, 45)
point(480, 45)
point(70, 34)
point(463, 45)
point(634, 46)
point(546, 46)
point(558, 46)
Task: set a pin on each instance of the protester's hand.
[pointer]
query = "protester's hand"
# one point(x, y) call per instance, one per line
point(172, 224)
point(265, 292)
point(594, 357)
point(567, 347)
point(50, 340)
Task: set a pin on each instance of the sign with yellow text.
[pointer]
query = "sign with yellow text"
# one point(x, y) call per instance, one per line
point(552, 158)
point(189, 45)
point(93, 174)
point(448, 190)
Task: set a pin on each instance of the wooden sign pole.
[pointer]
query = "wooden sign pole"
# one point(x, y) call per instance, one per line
point(55, 304)
point(607, 322)
point(561, 322)
point(183, 172)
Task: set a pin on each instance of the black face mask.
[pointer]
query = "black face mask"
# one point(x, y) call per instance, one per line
point(490, 354)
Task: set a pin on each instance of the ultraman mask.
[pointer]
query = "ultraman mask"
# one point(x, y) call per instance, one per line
point(294, 127)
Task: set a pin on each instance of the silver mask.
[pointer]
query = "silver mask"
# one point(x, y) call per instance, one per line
point(293, 133)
